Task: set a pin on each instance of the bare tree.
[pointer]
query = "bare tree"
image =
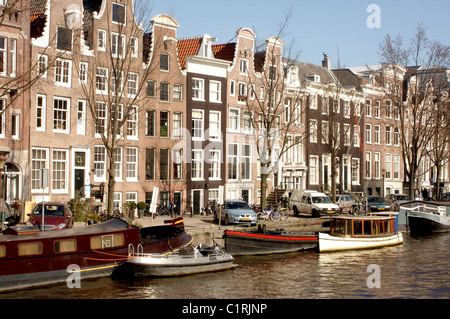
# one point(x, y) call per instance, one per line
point(115, 79)
point(274, 106)
point(412, 93)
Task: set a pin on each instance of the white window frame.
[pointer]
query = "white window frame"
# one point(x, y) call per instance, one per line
point(313, 131)
point(101, 40)
point(198, 129)
point(356, 179)
point(42, 65)
point(63, 72)
point(118, 164)
point(13, 57)
point(44, 163)
point(198, 89)
point(64, 170)
point(215, 91)
point(99, 163)
point(234, 116)
point(197, 169)
point(132, 84)
point(215, 126)
point(246, 163)
point(368, 133)
point(43, 109)
point(233, 161)
point(132, 164)
point(81, 117)
point(15, 125)
point(102, 117)
point(83, 76)
point(101, 80)
point(64, 119)
point(134, 47)
point(313, 170)
point(4, 56)
point(388, 166)
point(177, 125)
point(132, 123)
point(214, 165)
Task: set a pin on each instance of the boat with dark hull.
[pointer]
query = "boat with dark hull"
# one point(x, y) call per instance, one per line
point(29, 257)
point(184, 261)
point(262, 241)
point(421, 217)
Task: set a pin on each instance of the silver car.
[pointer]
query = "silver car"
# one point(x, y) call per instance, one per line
point(235, 212)
point(345, 202)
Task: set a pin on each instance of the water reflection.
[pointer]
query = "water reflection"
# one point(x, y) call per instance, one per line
point(416, 269)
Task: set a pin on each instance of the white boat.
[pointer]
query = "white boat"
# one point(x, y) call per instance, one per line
point(186, 261)
point(360, 232)
point(421, 217)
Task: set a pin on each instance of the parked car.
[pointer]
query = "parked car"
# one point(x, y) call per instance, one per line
point(377, 204)
point(235, 212)
point(395, 200)
point(56, 216)
point(312, 203)
point(345, 202)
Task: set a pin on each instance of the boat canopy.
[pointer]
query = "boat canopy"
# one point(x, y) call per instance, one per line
point(362, 226)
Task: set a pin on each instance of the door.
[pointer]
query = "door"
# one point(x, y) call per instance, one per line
point(79, 182)
point(196, 201)
point(177, 202)
point(80, 164)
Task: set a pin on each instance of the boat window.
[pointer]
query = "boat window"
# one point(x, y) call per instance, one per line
point(2, 250)
point(367, 227)
point(376, 227)
point(27, 249)
point(339, 227)
point(65, 246)
point(357, 227)
point(107, 241)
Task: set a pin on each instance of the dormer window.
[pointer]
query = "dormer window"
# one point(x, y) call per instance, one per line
point(313, 78)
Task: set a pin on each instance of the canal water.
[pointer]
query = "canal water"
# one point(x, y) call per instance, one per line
point(417, 269)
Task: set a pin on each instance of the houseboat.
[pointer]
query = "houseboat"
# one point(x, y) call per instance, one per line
point(361, 232)
point(187, 260)
point(29, 257)
point(262, 241)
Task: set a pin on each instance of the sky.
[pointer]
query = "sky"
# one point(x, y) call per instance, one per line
point(339, 28)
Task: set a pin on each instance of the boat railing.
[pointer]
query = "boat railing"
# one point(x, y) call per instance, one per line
point(426, 208)
point(139, 250)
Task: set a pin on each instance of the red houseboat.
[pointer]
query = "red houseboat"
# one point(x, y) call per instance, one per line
point(29, 257)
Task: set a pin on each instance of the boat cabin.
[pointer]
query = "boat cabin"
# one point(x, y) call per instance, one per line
point(362, 226)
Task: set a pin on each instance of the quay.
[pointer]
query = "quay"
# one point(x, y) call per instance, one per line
point(204, 230)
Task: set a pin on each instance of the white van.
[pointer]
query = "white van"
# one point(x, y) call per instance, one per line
point(311, 203)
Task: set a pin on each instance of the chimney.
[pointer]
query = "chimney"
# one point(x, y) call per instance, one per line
point(325, 61)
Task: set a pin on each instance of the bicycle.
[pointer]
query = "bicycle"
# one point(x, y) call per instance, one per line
point(268, 214)
point(284, 213)
point(360, 208)
point(162, 210)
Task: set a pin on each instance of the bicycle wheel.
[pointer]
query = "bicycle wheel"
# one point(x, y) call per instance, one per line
point(284, 215)
point(261, 216)
point(275, 216)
